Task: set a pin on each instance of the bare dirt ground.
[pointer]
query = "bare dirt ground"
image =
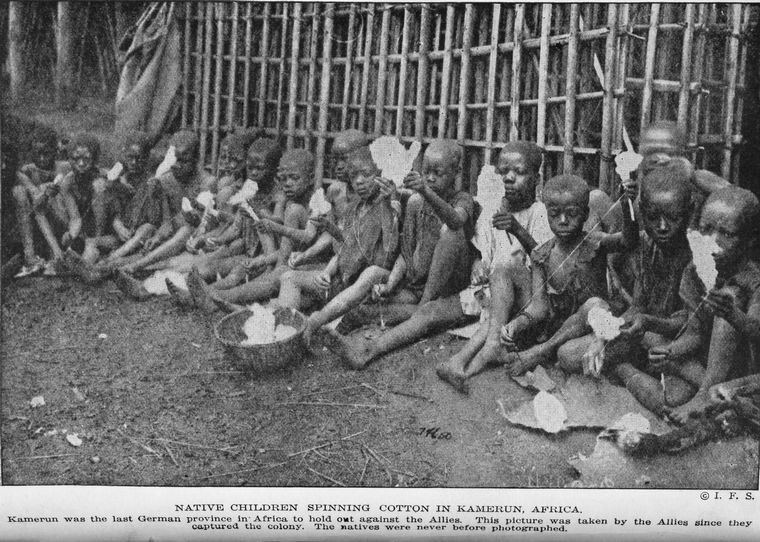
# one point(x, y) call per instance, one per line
point(155, 401)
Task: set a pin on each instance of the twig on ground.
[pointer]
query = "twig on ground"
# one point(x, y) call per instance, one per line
point(244, 471)
point(138, 443)
point(171, 455)
point(201, 446)
point(374, 455)
point(325, 444)
point(40, 457)
point(322, 475)
point(332, 390)
point(364, 470)
point(372, 388)
point(357, 405)
point(412, 395)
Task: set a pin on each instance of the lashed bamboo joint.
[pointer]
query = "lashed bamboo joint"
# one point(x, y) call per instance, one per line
point(579, 79)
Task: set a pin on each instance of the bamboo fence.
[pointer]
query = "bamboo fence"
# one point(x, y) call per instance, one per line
point(581, 80)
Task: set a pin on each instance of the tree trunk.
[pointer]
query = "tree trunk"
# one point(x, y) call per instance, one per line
point(15, 39)
point(64, 38)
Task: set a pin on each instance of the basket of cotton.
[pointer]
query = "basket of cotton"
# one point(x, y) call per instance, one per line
point(261, 339)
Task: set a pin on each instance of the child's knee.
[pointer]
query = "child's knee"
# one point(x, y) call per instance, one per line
point(594, 302)
point(567, 358)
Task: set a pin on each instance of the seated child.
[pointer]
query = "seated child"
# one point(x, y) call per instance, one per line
point(435, 255)
point(32, 180)
point(363, 259)
point(569, 276)
point(505, 239)
point(296, 179)
point(724, 323)
point(183, 180)
point(338, 193)
point(656, 313)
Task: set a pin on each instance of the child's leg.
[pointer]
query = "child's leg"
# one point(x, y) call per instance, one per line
point(433, 316)
point(172, 247)
point(24, 218)
point(510, 288)
point(393, 311)
point(293, 284)
point(570, 354)
point(573, 328)
point(99, 209)
point(450, 263)
point(261, 288)
point(726, 353)
point(94, 246)
point(142, 234)
point(348, 298)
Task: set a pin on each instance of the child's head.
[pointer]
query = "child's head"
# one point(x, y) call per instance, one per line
point(185, 145)
point(344, 144)
point(659, 143)
point(519, 164)
point(134, 152)
point(441, 165)
point(666, 202)
point(44, 143)
point(84, 151)
point(232, 153)
point(296, 173)
point(363, 171)
point(732, 215)
point(566, 198)
point(262, 159)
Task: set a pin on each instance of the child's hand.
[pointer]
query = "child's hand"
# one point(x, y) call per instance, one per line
point(151, 243)
point(723, 304)
point(509, 334)
point(479, 273)
point(506, 221)
point(51, 190)
point(66, 239)
point(295, 259)
point(193, 244)
point(251, 263)
point(125, 234)
point(720, 393)
point(660, 359)
point(212, 243)
point(630, 190)
point(387, 188)
point(414, 181)
point(323, 280)
point(593, 358)
point(380, 291)
point(635, 327)
point(264, 225)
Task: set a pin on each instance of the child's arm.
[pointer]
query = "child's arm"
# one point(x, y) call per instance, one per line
point(681, 348)
point(304, 236)
point(122, 232)
point(506, 221)
point(395, 276)
point(453, 217)
point(536, 311)
point(75, 220)
point(626, 239)
point(723, 305)
point(322, 243)
point(24, 180)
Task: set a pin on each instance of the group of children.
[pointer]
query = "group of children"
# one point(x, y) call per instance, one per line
point(407, 257)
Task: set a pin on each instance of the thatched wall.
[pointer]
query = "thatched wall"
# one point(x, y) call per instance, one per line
point(579, 79)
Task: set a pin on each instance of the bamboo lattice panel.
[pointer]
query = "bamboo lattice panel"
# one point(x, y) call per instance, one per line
point(579, 79)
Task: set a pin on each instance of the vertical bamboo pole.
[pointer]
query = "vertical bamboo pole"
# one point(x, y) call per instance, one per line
point(646, 95)
point(295, 46)
point(264, 68)
point(185, 63)
point(206, 82)
point(220, 15)
point(324, 92)
point(402, 71)
point(696, 75)
point(367, 65)
point(464, 89)
point(491, 93)
point(443, 112)
point(64, 46)
point(740, 97)
point(233, 67)
point(349, 66)
point(247, 61)
point(543, 71)
point(198, 66)
point(436, 47)
point(730, 77)
point(281, 74)
point(311, 87)
point(16, 66)
point(686, 52)
point(422, 72)
point(514, 110)
point(570, 84)
point(390, 101)
point(505, 73)
point(608, 104)
point(622, 74)
point(382, 69)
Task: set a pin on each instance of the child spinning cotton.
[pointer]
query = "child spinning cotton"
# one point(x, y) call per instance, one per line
point(362, 260)
point(296, 178)
point(724, 324)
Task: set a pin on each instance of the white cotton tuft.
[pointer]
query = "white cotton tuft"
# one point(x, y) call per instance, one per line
point(550, 412)
point(392, 159)
point(490, 191)
point(703, 249)
point(605, 325)
point(115, 172)
point(206, 199)
point(261, 327)
point(318, 205)
point(626, 163)
point(187, 207)
point(247, 191)
point(169, 160)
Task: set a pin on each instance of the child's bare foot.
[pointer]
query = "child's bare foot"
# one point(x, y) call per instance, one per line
point(355, 357)
point(354, 319)
point(199, 291)
point(131, 286)
point(519, 363)
point(457, 379)
point(87, 273)
point(12, 266)
point(692, 409)
point(182, 297)
point(227, 306)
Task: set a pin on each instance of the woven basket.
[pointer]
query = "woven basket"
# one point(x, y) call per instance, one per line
point(266, 357)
